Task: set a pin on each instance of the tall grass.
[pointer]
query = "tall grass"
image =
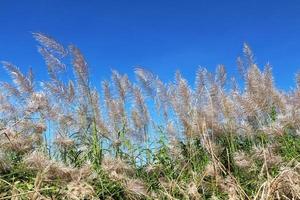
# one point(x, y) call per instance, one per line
point(67, 139)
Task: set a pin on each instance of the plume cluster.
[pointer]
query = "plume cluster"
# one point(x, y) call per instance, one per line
point(64, 138)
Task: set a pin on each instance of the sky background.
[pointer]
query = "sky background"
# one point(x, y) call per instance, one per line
point(161, 36)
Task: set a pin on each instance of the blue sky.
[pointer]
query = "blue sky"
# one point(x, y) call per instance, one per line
point(162, 36)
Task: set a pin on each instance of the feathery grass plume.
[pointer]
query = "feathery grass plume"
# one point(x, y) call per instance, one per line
point(55, 170)
point(162, 98)
point(101, 125)
point(64, 142)
point(229, 109)
point(12, 141)
point(119, 91)
point(10, 89)
point(86, 103)
point(294, 96)
point(116, 115)
point(275, 99)
point(142, 117)
point(223, 104)
point(171, 130)
point(49, 43)
point(146, 80)
point(241, 67)
point(274, 129)
point(37, 102)
point(117, 168)
point(81, 71)
point(136, 122)
point(180, 99)
point(183, 91)
point(71, 92)
point(59, 91)
point(107, 92)
point(24, 83)
point(200, 80)
point(6, 107)
point(257, 107)
point(122, 84)
point(210, 97)
point(248, 55)
point(53, 63)
point(221, 76)
point(155, 89)
point(52, 52)
point(246, 62)
point(200, 94)
point(36, 160)
point(115, 109)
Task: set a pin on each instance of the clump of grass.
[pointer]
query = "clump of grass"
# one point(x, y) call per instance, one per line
point(64, 138)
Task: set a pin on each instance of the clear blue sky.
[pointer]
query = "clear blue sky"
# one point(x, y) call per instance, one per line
point(161, 35)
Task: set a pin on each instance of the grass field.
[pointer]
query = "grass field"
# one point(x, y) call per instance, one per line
point(64, 138)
